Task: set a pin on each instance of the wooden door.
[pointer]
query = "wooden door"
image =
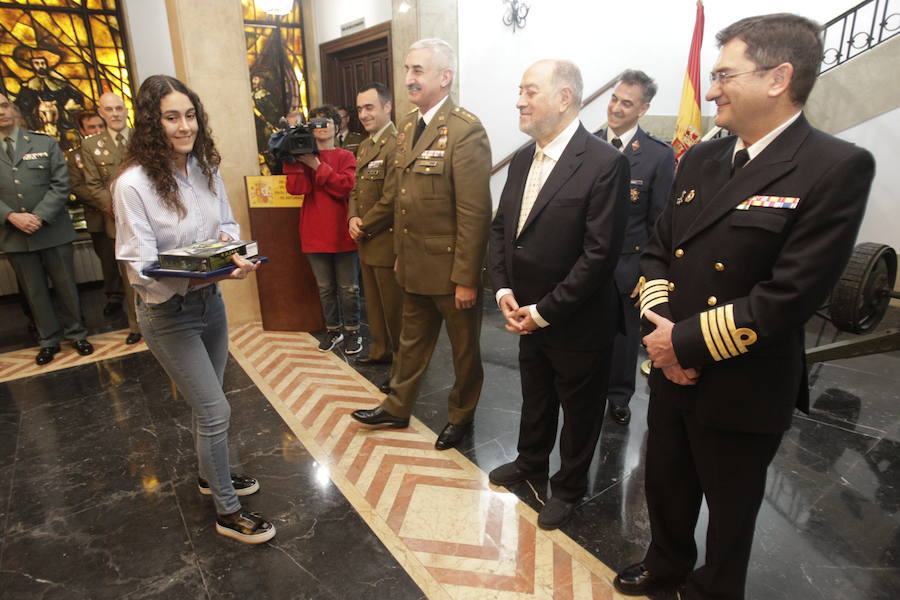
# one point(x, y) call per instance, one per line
point(351, 62)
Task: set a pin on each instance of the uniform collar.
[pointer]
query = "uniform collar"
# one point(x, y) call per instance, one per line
point(427, 117)
point(625, 137)
point(754, 149)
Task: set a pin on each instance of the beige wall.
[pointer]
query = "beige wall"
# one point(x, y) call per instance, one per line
point(210, 57)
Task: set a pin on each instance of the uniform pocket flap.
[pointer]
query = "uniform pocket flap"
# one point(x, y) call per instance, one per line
point(441, 244)
point(770, 221)
point(431, 166)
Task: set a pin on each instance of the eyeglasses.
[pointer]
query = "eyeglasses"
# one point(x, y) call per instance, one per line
point(721, 78)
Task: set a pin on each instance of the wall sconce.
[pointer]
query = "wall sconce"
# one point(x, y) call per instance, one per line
point(515, 14)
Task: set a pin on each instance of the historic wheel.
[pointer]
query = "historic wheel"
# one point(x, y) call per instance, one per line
point(862, 294)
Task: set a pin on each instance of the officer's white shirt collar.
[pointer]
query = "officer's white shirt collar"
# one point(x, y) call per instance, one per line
point(625, 137)
point(554, 149)
point(427, 117)
point(377, 136)
point(754, 149)
point(13, 135)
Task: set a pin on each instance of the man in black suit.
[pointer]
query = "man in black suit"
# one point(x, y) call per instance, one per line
point(652, 163)
point(553, 249)
point(759, 228)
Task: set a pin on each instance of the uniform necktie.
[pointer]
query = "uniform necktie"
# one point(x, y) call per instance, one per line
point(420, 127)
point(120, 139)
point(617, 143)
point(9, 150)
point(741, 158)
point(532, 188)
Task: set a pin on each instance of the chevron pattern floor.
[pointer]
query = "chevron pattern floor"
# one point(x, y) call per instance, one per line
point(20, 363)
point(458, 537)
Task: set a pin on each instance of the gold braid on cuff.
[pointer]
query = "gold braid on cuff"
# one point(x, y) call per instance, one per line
point(723, 338)
point(653, 292)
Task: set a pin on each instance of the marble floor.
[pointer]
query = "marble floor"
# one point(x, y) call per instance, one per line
point(98, 496)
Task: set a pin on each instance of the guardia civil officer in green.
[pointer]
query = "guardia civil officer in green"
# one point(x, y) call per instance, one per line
point(376, 245)
point(36, 232)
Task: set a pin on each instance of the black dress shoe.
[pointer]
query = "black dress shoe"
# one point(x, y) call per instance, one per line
point(510, 474)
point(385, 387)
point(555, 514)
point(620, 414)
point(452, 435)
point(46, 354)
point(366, 360)
point(83, 347)
point(636, 580)
point(111, 308)
point(378, 417)
point(133, 338)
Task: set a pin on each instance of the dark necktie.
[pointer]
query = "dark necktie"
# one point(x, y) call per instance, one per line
point(420, 127)
point(120, 139)
point(9, 150)
point(740, 159)
point(617, 143)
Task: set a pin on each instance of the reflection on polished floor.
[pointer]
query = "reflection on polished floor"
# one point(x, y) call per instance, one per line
point(98, 496)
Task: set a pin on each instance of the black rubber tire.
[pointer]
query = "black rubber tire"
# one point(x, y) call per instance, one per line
point(862, 294)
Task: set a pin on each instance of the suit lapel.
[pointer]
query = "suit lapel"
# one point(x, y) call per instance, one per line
point(568, 163)
point(720, 194)
point(23, 147)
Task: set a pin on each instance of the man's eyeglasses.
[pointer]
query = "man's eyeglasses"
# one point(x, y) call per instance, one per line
point(721, 77)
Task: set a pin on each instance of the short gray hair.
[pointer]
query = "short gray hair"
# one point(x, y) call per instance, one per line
point(566, 73)
point(445, 53)
point(639, 78)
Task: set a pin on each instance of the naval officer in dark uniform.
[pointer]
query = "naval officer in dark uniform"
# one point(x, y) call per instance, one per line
point(36, 232)
point(759, 227)
point(652, 164)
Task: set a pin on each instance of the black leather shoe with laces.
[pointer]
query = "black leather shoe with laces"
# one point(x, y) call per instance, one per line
point(378, 417)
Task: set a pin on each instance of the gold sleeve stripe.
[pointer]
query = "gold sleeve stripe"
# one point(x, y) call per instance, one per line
point(744, 336)
point(654, 295)
point(726, 331)
point(717, 335)
point(707, 337)
point(648, 305)
point(655, 282)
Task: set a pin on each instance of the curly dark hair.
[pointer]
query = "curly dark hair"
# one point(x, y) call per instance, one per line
point(327, 111)
point(150, 148)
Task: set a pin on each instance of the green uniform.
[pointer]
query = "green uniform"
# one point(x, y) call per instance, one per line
point(351, 142)
point(101, 157)
point(384, 298)
point(36, 181)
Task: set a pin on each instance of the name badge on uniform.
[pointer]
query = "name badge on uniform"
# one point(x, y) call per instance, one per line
point(376, 164)
point(423, 162)
point(35, 155)
point(637, 182)
point(787, 202)
point(432, 154)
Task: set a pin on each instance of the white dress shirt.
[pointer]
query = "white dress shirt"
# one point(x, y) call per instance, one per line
point(428, 116)
point(145, 226)
point(625, 137)
point(754, 149)
point(552, 153)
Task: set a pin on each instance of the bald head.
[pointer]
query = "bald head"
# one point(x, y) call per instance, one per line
point(112, 108)
point(549, 98)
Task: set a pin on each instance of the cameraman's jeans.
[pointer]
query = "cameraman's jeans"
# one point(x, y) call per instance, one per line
point(188, 335)
point(337, 275)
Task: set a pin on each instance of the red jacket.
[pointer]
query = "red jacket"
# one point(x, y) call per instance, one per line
point(323, 218)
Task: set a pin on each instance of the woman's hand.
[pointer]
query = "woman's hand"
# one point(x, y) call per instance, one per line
point(244, 267)
point(310, 160)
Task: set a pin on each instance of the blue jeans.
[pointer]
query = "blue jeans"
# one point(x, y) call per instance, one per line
point(188, 335)
point(337, 275)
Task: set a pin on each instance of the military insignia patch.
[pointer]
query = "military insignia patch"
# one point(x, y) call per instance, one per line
point(680, 199)
point(769, 202)
point(442, 139)
point(635, 146)
point(100, 143)
point(401, 137)
point(635, 194)
point(689, 197)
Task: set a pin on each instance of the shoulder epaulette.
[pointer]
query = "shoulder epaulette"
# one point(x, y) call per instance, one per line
point(412, 111)
point(464, 114)
point(659, 141)
point(37, 133)
point(87, 137)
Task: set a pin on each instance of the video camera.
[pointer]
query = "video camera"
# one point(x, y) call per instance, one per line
point(297, 140)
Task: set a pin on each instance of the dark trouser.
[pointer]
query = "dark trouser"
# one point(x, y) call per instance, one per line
point(338, 283)
point(685, 461)
point(105, 249)
point(422, 319)
point(128, 300)
point(624, 356)
point(576, 381)
point(32, 270)
point(384, 305)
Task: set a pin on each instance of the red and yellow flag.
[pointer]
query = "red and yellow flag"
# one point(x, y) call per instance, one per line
point(687, 127)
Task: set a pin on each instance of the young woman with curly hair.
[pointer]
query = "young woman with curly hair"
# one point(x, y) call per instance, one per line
point(326, 179)
point(169, 194)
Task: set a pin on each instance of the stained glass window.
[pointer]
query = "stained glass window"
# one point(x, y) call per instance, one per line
point(277, 70)
point(58, 57)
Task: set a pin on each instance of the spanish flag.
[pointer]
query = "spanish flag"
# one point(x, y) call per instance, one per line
point(687, 127)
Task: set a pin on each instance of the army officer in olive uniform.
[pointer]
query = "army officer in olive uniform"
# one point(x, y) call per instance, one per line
point(36, 232)
point(101, 155)
point(376, 246)
point(442, 212)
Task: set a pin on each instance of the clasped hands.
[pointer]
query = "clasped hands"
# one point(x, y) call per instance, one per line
point(662, 353)
point(518, 318)
point(25, 222)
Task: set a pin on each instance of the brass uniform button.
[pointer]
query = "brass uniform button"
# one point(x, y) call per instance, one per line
point(671, 286)
point(405, 230)
point(711, 300)
point(637, 248)
point(449, 249)
point(679, 253)
point(402, 211)
point(720, 266)
point(16, 181)
point(403, 191)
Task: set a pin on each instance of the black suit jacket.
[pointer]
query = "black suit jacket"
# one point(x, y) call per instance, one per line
point(564, 258)
point(740, 264)
point(652, 163)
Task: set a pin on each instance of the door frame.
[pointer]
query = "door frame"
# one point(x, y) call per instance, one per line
point(328, 50)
